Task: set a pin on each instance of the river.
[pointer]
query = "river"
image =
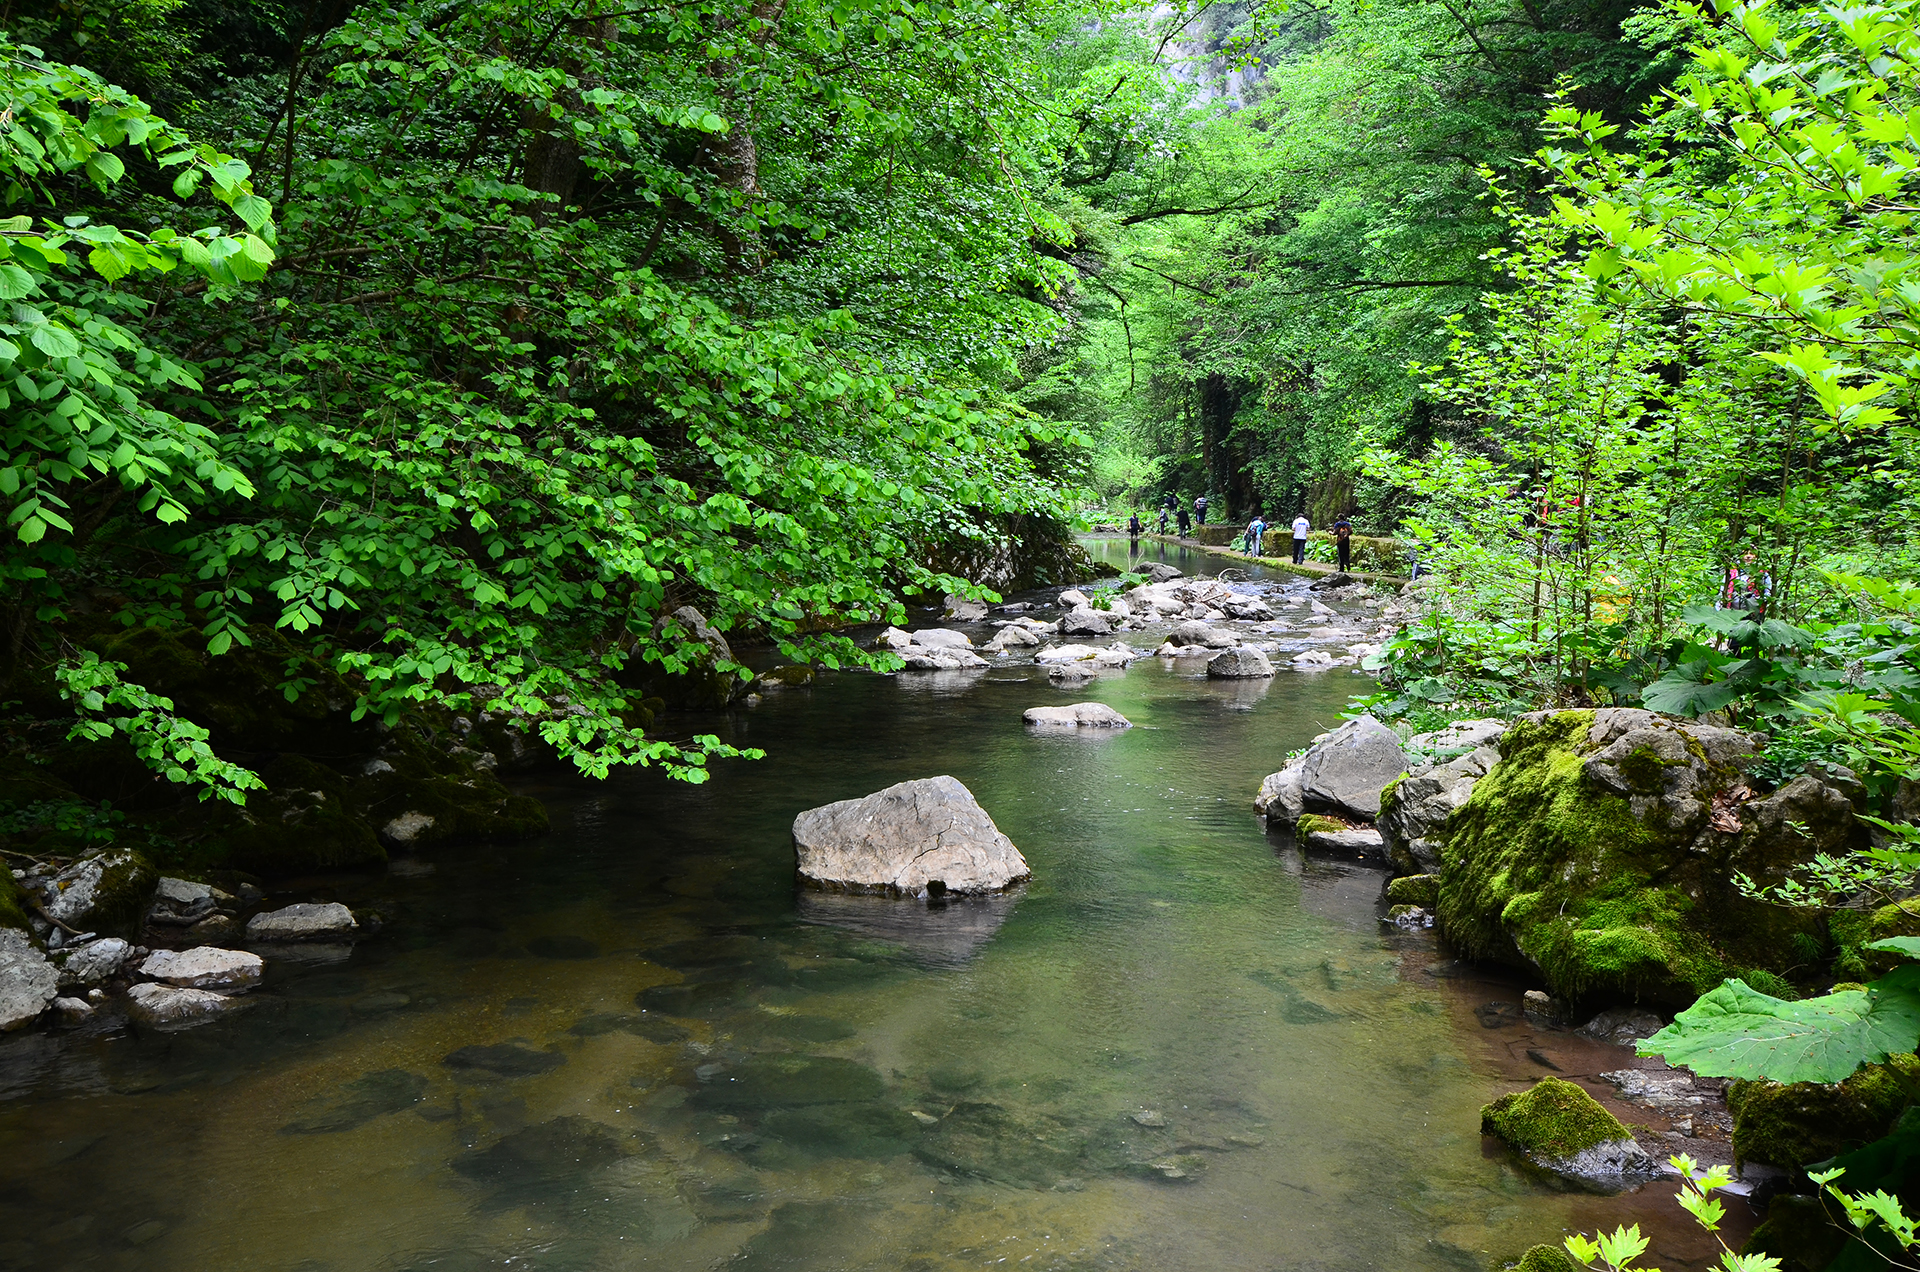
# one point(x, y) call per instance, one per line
point(1184, 1047)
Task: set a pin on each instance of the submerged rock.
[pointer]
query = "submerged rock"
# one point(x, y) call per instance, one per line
point(173, 1007)
point(359, 1101)
point(1092, 715)
point(925, 837)
point(507, 1059)
point(1561, 1129)
point(1601, 851)
point(774, 1081)
point(1622, 1026)
point(27, 981)
point(554, 1154)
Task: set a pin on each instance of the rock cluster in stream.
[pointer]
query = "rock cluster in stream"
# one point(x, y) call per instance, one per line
point(1232, 631)
point(78, 954)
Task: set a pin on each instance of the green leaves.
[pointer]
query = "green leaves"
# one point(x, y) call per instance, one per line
point(1738, 1032)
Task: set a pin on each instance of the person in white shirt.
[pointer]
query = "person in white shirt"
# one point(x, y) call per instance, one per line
point(1300, 527)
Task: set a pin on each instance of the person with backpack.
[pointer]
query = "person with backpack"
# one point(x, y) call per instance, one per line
point(1184, 522)
point(1343, 542)
point(1200, 509)
point(1255, 529)
point(1134, 527)
point(1163, 518)
point(1300, 527)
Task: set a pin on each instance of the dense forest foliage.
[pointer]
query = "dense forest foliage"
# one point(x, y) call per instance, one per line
point(451, 348)
point(1603, 310)
point(455, 346)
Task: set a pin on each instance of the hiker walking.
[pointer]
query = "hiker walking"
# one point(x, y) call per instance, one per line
point(1343, 542)
point(1184, 522)
point(1163, 518)
point(1255, 530)
point(1134, 527)
point(1300, 527)
point(1200, 510)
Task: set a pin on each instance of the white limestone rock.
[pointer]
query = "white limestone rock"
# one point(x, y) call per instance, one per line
point(921, 838)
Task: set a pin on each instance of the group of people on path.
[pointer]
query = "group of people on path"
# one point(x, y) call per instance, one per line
point(1256, 530)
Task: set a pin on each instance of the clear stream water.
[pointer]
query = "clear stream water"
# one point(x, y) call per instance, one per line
point(1184, 1047)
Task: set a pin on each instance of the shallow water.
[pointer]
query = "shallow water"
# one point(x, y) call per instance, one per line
point(1183, 1047)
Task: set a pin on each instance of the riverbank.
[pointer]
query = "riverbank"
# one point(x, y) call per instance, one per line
point(1282, 565)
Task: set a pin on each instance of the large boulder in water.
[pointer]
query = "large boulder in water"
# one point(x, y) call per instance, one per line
point(1091, 715)
point(1600, 852)
point(1345, 773)
point(920, 838)
point(1242, 663)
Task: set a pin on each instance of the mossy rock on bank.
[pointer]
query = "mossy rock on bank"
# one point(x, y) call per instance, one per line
point(13, 902)
point(1546, 1258)
point(1854, 930)
point(1421, 890)
point(1798, 1124)
point(1799, 1232)
point(1318, 824)
point(1596, 853)
point(1552, 1118)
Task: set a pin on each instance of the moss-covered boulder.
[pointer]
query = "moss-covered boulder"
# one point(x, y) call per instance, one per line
point(1561, 1129)
point(1799, 1232)
point(13, 903)
point(1601, 849)
point(1798, 1124)
point(1546, 1258)
point(1421, 890)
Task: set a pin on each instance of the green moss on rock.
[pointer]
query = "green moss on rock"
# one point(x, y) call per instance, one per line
point(1315, 824)
point(1546, 1258)
point(1554, 1118)
point(1548, 867)
point(1421, 890)
point(1801, 1123)
point(13, 902)
point(1798, 1232)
